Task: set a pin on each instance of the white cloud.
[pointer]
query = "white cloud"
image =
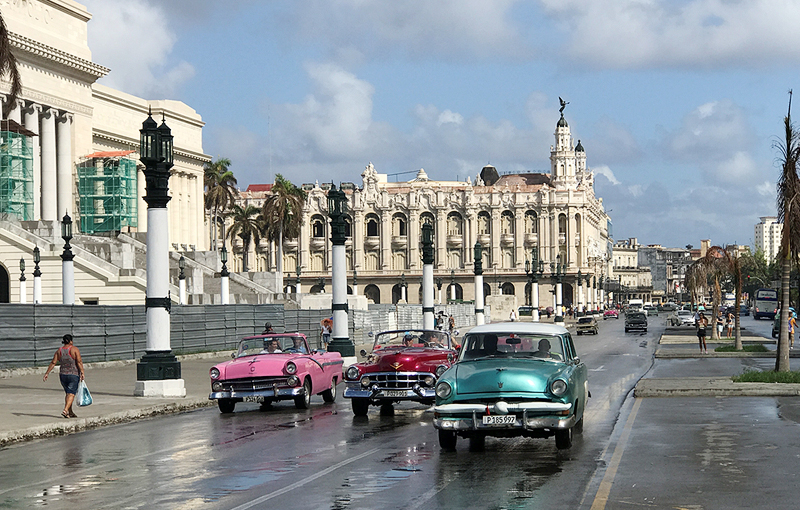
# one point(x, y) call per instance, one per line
point(607, 173)
point(713, 131)
point(456, 29)
point(448, 117)
point(139, 65)
point(665, 33)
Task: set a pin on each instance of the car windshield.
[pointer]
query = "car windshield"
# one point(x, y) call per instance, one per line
point(684, 312)
point(272, 344)
point(412, 338)
point(512, 345)
point(584, 320)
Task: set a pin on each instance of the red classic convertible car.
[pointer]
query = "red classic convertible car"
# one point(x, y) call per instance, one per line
point(267, 368)
point(403, 366)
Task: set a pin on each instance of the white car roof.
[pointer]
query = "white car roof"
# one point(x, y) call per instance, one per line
point(520, 327)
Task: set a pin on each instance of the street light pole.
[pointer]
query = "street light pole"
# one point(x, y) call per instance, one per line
point(297, 286)
point(427, 276)
point(439, 283)
point(337, 206)
point(579, 309)
point(67, 266)
point(37, 277)
point(158, 373)
point(23, 285)
point(479, 315)
point(558, 274)
point(182, 280)
point(452, 285)
point(534, 269)
point(224, 283)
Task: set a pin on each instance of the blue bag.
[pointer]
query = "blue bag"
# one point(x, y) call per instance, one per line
point(83, 397)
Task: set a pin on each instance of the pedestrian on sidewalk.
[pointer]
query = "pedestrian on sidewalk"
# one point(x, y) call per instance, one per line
point(326, 325)
point(268, 329)
point(70, 372)
point(702, 323)
point(792, 327)
point(729, 321)
point(513, 315)
point(451, 324)
point(720, 324)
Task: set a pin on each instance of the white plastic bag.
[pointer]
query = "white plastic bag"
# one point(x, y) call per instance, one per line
point(83, 397)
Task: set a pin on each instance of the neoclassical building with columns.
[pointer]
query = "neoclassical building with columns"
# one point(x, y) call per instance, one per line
point(76, 153)
point(511, 216)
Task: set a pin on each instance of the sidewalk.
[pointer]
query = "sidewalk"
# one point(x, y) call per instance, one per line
point(31, 408)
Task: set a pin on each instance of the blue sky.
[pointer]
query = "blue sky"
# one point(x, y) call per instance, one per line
point(678, 103)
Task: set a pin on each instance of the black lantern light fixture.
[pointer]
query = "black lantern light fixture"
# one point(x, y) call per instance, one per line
point(22, 269)
point(37, 257)
point(297, 278)
point(439, 283)
point(337, 208)
point(223, 256)
point(66, 235)
point(355, 277)
point(478, 254)
point(182, 267)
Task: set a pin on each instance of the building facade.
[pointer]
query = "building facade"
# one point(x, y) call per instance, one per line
point(768, 234)
point(555, 216)
point(632, 280)
point(76, 152)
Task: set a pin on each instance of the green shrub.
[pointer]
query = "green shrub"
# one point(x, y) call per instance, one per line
point(771, 376)
point(745, 348)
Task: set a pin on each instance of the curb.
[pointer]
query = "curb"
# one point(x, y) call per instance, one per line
point(711, 387)
point(661, 354)
point(81, 424)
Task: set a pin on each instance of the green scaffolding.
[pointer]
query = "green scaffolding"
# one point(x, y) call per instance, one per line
point(16, 175)
point(108, 194)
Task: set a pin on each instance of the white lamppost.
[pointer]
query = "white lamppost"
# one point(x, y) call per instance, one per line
point(67, 267)
point(182, 281)
point(480, 317)
point(23, 285)
point(427, 276)
point(37, 277)
point(224, 284)
point(340, 341)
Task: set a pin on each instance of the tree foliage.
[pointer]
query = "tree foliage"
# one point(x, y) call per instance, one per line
point(8, 67)
point(220, 195)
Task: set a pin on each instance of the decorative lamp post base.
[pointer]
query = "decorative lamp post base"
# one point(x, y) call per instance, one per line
point(158, 374)
point(343, 346)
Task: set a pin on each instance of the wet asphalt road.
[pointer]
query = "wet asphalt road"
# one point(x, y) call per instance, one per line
point(325, 458)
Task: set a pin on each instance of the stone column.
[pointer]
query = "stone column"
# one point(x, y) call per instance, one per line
point(413, 232)
point(440, 239)
point(385, 236)
point(64, 162)
point(32, 124)
point(519, 238)
point(48, 140)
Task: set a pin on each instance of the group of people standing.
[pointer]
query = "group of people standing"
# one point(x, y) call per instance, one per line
point(723, 322)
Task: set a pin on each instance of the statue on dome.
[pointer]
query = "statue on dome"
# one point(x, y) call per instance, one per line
point(563, 105)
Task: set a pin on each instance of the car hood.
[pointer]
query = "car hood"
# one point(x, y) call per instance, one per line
point(253, 366)
point(503, 375)
point(407, 360)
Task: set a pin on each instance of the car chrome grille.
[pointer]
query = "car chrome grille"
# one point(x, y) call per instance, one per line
point(255, 384)
point(398, 380)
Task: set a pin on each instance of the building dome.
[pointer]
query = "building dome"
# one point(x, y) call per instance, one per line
point(579, 147)
point(562, 122)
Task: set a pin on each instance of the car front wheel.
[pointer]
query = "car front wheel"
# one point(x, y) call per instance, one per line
point(304, 401)
point(447, 440)
point(360, 406)
point(226, 405)
point(564, 439)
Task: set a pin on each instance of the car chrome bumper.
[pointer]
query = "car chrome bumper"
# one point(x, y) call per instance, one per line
point(451, 416)
point(357, 391)
point(269, 393)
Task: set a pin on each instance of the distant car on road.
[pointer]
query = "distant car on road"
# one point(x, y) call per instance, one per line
point(681, 318)
point(635, 320)
point(651, 310)
point(587, 325)
point(610, 314)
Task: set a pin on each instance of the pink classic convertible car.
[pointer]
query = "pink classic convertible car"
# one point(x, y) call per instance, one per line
point(274, 367)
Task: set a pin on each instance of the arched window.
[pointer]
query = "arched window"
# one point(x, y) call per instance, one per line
point(454, 224)
point(531, 222)
point(318, 226)
point(373, 294)
point(427, 217)
point(484, 223)
point(372, 225)
point(508, 289)
point(507, 222)
point(399, 225)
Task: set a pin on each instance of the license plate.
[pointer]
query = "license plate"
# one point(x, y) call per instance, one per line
point(500, 420)
point(253, 398)
point(394, 393)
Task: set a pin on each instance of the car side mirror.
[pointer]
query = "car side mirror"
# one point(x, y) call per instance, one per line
point(577, 361)
point(363, 353)
point(233, 355)
point(370, 334)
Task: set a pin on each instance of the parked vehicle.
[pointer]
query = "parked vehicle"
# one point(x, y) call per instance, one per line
point(681, 318)
point(651, 310)
point(268, 368)
point(635, 320)
point(610, 314)
point(404, 365)
point(512, 379)
point(586, 325)
point(744, 310)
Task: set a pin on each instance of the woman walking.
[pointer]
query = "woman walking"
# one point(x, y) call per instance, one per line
point(70, 372)
point(729, 322)
point(702, 322)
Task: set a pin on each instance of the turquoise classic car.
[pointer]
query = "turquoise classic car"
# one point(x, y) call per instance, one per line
point(512, 379)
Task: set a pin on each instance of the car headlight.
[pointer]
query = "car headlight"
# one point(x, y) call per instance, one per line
point(353, 373)
point(558, 387)
point(293, 380)
point(443, 389)
point(440, 370)
point(429, 380)
point(291, 368)
point(214, 373)
point(365, 382)
point(217, 386)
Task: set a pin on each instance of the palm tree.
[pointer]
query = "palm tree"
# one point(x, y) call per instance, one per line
point(8, 65)
point(247, 225)
point(220, 193)
point(788, 214)
point(283, 215)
